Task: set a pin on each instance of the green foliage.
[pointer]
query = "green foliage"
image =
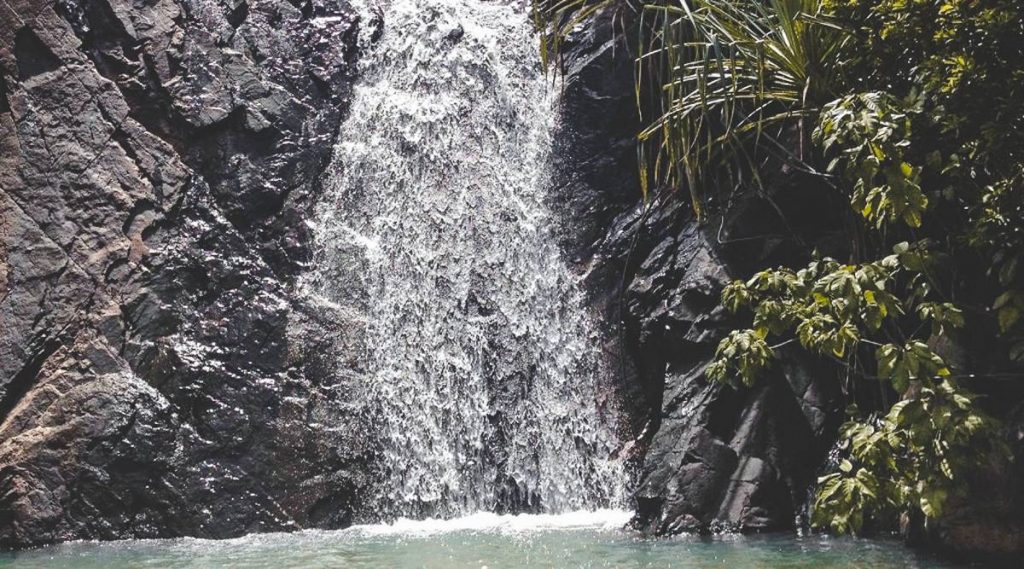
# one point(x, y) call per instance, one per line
point(942, 315)
point(743, 354)
point(960, 52)
point(830, 308)
point(964, 61)
point(996, 233)
point(912, 360)
point(935, 129)
point(732, 77)
point(554, 20)
point(914, 457)
point(845, 498)
point(868, 133)
point(917, 113)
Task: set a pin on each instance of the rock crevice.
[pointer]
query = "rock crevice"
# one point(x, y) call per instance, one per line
point(157, 162)
point(708, 456)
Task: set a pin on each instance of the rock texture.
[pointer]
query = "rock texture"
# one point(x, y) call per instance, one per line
point(709, 457)
point(159, 375)
point(739, 459)
point(156, 375)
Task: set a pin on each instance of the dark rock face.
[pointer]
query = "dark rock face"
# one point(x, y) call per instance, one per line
point(739, 459)
point(160, 377)
point(709, 456)
point(988, 519)
point(595, 188)
point(712, 457)
point(157, 378)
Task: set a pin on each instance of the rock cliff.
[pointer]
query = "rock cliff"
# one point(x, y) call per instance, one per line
point(158, 160)
point(160, 377)
point(708, 456)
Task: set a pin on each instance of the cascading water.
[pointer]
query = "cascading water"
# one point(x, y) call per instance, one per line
point(479, 360)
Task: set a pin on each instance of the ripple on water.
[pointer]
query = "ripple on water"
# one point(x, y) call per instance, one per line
point(575, 539)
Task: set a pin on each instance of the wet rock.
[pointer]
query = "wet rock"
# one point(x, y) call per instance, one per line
point(594, 187)
point(712, 456)
point(156, 378)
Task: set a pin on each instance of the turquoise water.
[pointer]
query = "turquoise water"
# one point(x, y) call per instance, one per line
point(482, 540)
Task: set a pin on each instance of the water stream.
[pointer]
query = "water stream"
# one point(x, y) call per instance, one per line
point(591, 540)
point(479, 360)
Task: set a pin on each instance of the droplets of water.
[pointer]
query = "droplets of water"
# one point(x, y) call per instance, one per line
point(479, 360)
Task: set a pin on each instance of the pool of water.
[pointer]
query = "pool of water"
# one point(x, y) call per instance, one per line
point(582, 539)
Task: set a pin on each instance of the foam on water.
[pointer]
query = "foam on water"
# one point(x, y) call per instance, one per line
point(508, 524)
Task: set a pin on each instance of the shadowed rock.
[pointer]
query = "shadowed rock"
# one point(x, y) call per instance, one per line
point(708, 456)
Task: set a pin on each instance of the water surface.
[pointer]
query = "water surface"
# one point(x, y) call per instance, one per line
point(580, 539)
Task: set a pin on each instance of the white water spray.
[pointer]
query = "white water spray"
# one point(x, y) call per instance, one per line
point(479, 358)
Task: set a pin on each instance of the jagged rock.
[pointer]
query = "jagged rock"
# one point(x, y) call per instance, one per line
point(158, 158)
point(742, 459)
point(158, 375)
point(714, 456)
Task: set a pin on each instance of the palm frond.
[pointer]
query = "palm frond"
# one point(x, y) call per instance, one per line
point(730, 76)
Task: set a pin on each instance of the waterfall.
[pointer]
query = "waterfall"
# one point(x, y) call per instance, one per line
point(478, 360)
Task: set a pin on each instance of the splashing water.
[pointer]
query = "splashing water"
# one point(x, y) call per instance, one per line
point(479, 358)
